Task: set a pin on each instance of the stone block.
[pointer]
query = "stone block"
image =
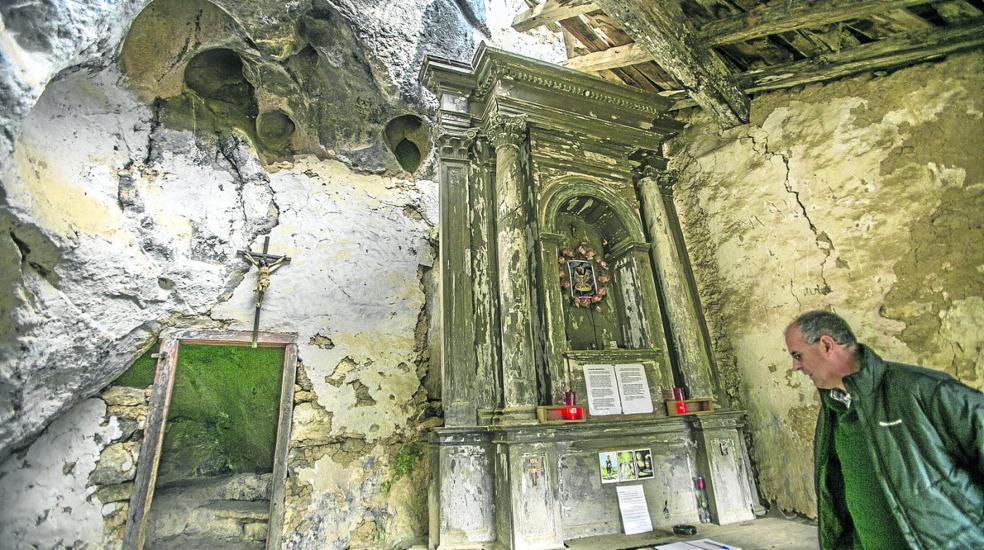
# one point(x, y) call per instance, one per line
point(255, 531)
point(124, 396)
point(118, 492)
point(117, 463)
point(133, 412)
point(311, 425)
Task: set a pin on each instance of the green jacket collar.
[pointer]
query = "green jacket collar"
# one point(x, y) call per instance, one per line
point(864, 382)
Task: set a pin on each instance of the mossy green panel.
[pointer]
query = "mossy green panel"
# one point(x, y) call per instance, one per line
point(586, 328)
point(223, 413)
point(141, 372)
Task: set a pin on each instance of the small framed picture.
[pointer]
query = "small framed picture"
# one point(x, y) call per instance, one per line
point(608, 466)
point(626, 466)
point(644, 463)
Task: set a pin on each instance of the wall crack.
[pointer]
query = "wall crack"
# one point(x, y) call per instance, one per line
point(822, 240)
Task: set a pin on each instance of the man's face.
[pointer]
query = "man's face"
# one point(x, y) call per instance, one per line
point(812, 360)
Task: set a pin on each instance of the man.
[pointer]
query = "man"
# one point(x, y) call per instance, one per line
point(899, 449)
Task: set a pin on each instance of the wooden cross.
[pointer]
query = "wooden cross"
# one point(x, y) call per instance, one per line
point(266, 264)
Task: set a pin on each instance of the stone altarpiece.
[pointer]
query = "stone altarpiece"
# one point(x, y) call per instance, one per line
point(534, 160)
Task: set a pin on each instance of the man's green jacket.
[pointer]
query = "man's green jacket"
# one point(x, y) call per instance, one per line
point(927, 446)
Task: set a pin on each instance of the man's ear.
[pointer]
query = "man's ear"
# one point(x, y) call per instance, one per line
point(828, 343)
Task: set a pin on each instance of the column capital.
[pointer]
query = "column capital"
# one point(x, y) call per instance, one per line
point(454, 145)
point(506, 130)
point(664, 178)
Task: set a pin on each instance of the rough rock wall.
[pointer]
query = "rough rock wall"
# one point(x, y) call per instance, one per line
point(865, 196)
point(120, 220)
point(150, 239)
point(64, 211)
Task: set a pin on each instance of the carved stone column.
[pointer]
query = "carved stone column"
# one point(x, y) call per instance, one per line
point(513, 216)
point(485, 294)
point(458, 391)
point(671, 265)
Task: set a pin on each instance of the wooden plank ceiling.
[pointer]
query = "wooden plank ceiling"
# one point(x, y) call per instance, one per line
point(717, 53)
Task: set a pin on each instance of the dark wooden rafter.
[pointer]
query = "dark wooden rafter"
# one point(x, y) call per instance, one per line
point(887, 53)
point(776, 18)
point(662, 30)
point(547, 12)
point(768, 45)
point(957, 11)
point(617, 37)
point(585, 35)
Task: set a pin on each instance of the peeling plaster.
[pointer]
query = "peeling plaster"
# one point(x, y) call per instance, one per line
point(861, 195)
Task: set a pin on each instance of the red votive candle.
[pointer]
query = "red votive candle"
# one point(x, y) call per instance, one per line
point(681, 407)
point(571, 413)
point(570, 398)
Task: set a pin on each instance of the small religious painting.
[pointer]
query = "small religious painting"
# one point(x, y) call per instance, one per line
point(644, 463)
point(608, 465)
point(583, 283)
point(626, 466)
point(584, 273)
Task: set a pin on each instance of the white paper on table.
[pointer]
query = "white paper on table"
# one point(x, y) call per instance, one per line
point(635, 512)
point(602, 391)
point(633, 388)
point(699, 544)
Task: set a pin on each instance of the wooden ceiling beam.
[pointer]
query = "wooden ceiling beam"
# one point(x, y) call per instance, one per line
point(619, 56)
point(773, 18)
point(661, 29)
point(549, 11)
point(777, 17)
point(590, 39)
point(888, 53)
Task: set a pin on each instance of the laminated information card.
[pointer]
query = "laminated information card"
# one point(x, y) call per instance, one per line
point(617, 389)
point(633, 388)
point(602, 394)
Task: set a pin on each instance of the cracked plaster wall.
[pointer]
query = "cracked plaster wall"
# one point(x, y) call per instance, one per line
point(145, 240)
point(863, 195)
point(119, 225)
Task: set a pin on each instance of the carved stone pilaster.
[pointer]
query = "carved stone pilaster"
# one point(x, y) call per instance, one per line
point(507, 130)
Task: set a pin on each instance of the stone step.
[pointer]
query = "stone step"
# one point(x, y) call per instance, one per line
point(232, 508)
point(203, 542)
point(245, 510)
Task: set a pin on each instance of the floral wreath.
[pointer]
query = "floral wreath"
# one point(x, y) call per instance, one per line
point(598, 265)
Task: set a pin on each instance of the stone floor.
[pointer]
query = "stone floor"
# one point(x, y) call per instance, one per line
point(762, 533)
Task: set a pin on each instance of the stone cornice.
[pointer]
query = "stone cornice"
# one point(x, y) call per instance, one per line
point(493, 65)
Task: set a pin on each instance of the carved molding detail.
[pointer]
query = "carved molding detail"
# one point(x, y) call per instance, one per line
point(501, 73)
point(507, 130)
point(483, 152)
point(455, 145)
point(664, 179)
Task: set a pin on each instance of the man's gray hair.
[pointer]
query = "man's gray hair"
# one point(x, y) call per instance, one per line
point(814, 324)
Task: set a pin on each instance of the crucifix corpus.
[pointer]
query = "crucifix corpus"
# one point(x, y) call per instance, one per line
point(266, 264)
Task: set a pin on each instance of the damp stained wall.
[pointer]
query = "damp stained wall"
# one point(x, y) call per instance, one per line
point(122, 224)
point(863, 195)
point(362, 249)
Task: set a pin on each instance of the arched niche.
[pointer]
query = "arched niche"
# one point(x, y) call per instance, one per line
point(586, 224)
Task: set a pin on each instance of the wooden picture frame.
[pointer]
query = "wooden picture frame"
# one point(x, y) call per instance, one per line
point(160, 399)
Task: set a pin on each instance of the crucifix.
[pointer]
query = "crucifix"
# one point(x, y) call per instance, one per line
point(266, 264)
